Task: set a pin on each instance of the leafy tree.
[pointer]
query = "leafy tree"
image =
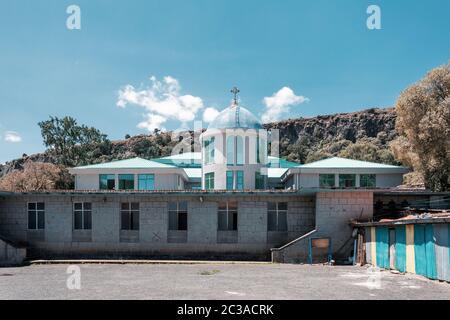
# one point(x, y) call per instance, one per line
point(423, 125)
point(317, 155)
point(37, 176)
point(367, 150)
point(299, 150)
point(72, 144)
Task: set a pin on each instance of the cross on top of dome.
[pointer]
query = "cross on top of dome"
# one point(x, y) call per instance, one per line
point(235, 92)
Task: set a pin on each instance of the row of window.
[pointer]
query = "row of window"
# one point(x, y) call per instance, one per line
point(126, 182)
point(347, 180)
point(234, 150)
point(178, 213)
point(235, 180)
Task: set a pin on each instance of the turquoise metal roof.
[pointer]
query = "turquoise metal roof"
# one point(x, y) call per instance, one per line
point(183, 160)
point(193, 173)
point(134, 163)
point(337, 162)
point(235, 117)
point(275, 162)
point(275, 173)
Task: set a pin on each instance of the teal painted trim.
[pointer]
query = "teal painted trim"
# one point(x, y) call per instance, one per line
point(419, 250)
point(382, 247)
point(400, 248)
point(430, 252)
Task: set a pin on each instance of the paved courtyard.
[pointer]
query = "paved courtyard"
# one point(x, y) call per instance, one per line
point(215, 281)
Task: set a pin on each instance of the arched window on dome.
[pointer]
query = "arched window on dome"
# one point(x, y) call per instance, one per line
point(230, 150)
point(239, 151)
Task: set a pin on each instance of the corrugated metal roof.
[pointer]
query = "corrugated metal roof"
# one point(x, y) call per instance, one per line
point(337, 162)
point(134, 163)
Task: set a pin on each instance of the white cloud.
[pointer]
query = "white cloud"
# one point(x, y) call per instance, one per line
point(12, 136)
point(162, 101)
point(153, 121)
point(279, 104)
point(210, 114)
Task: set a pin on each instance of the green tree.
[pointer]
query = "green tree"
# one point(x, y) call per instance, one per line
point(299, 150)
point(72, 144)
point(423, 126)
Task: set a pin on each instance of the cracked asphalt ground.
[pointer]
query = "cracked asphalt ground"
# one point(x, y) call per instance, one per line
point(216, 281)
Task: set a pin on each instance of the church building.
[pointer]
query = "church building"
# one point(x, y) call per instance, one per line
point(231, 200)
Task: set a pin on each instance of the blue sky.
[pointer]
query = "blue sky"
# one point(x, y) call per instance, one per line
point(321, 51)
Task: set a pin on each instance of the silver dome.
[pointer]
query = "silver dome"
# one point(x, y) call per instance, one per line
point(235, 117)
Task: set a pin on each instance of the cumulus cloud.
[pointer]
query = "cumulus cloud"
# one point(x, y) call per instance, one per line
point(279, 104)
point(12, 136)
point(162, 101)
point(210, 114)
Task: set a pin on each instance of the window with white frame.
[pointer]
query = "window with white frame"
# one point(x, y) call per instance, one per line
point(82, 216)
point(277, 216)
point(227, 216)
point(36, 216)
point(178, 212)
point(129, 216)
point(208, 147)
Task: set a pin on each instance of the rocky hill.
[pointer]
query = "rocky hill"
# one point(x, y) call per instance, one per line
point(364, 135)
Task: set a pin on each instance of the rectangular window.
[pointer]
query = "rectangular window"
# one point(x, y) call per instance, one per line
point(107, 182)
point(230, 180)
point(126, 181)
point(129, 216)
point(209, 181)
point(239, 180)
point(368, 181)
point(178, 215)
point(227, 216)
point(82, 216)
point(239, 151)
point(209, 150)
point(146, 182)
point(230, 150)
point(261, 149)
point(347, 180)
point(326, 180)
point(259, 181)
point(36, 216)
point(277, 216)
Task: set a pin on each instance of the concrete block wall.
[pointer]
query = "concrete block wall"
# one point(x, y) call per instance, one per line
point(334, 210)
point(154, 221)
point(202, 223)
point(59, 239)
point(11, 255)
point(252, 220)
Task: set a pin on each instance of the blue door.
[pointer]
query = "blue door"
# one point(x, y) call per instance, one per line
point(424, 252)
point(400, 248)
point(382, 239)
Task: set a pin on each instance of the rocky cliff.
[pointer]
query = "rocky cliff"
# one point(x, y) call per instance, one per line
point(301, 139)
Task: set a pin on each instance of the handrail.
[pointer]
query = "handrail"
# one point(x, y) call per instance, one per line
point(294, 241)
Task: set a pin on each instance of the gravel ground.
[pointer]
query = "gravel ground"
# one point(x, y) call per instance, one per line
point(216, 281)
